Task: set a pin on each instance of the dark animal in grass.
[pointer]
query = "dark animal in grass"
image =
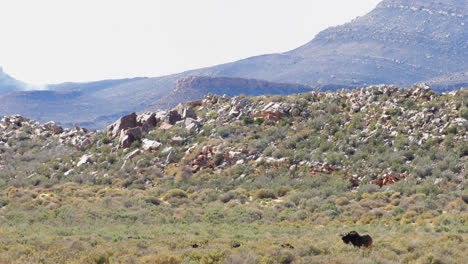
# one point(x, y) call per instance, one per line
point(465, 198)
point(287, 245)
point(358, 241)
point(195, 245)
point(235, 244)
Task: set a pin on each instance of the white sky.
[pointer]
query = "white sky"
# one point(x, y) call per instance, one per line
point(51, 41)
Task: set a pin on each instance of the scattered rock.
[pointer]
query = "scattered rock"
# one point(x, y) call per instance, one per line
point(133, 154)
point(54, 128)
point(86, 158)
point(171, 157)
point(150, 145)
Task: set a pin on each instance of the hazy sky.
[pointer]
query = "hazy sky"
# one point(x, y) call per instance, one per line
point(50, 41)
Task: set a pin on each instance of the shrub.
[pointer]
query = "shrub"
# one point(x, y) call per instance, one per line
point(265, 194)
point(153, 200)
point(226, 197)
point(368, 188)
point(162, 258)
point(259, 121)
point(247, 120)
point(463, 112)
point(174, 193)
point(283, 190)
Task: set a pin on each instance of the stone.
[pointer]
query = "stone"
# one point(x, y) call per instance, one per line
point(177, 140)
point(125, 141)
point(52, 127)
point(147, 121)
point(172, 117)
point(128, 121)
point(133, 154)
point(191, 124)
point(150, 145)
point(85, 159)
point(128, 136)
point(171, 157)
point(189, 113)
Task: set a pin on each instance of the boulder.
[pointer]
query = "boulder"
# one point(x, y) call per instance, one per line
point(191, 124)
point(147, 121)
point(189, 113)
point(172, 117)
point(128, 136)
point(150, 145)
point(52, 127)
point(128, 121)
point(177, 140)
point(85, 159)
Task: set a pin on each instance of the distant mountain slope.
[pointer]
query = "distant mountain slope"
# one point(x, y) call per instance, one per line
point(67, 107)
point(399, 42)
point(9, 84)
point(195, 87)
point(449, 82)
point(91, 86)
point(92, 105)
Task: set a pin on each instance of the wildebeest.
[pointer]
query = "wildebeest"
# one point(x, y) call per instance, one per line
point(465, 198)
point(287, 245)
point(357, 240)
point(235, 244)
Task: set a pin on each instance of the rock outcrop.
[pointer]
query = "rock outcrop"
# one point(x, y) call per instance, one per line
point(128, 136)
point(125, 122)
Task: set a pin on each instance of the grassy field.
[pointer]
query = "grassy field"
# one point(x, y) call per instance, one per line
point(92, 227)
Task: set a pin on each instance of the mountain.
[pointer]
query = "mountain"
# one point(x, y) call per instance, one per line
point(92, 105)
point(68, 107)
point(400, 42)
point(9, 84)
point(196, 87)
point(449, 82)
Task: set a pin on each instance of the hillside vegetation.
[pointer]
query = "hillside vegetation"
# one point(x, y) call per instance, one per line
point(267, 179)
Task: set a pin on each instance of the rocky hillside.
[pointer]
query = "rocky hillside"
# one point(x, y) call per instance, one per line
point(307, 133)
point(266, 179)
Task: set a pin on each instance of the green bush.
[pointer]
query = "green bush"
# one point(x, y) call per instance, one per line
point(174, 193)
point(265, 194)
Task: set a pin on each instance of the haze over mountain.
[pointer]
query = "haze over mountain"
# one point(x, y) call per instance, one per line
point(399, 42)
point(9, 84)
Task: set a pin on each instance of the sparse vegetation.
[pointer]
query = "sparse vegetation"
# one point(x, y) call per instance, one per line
point(302, 179)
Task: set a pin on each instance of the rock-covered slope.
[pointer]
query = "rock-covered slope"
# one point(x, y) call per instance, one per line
point(368, 134)
point(211, 181)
